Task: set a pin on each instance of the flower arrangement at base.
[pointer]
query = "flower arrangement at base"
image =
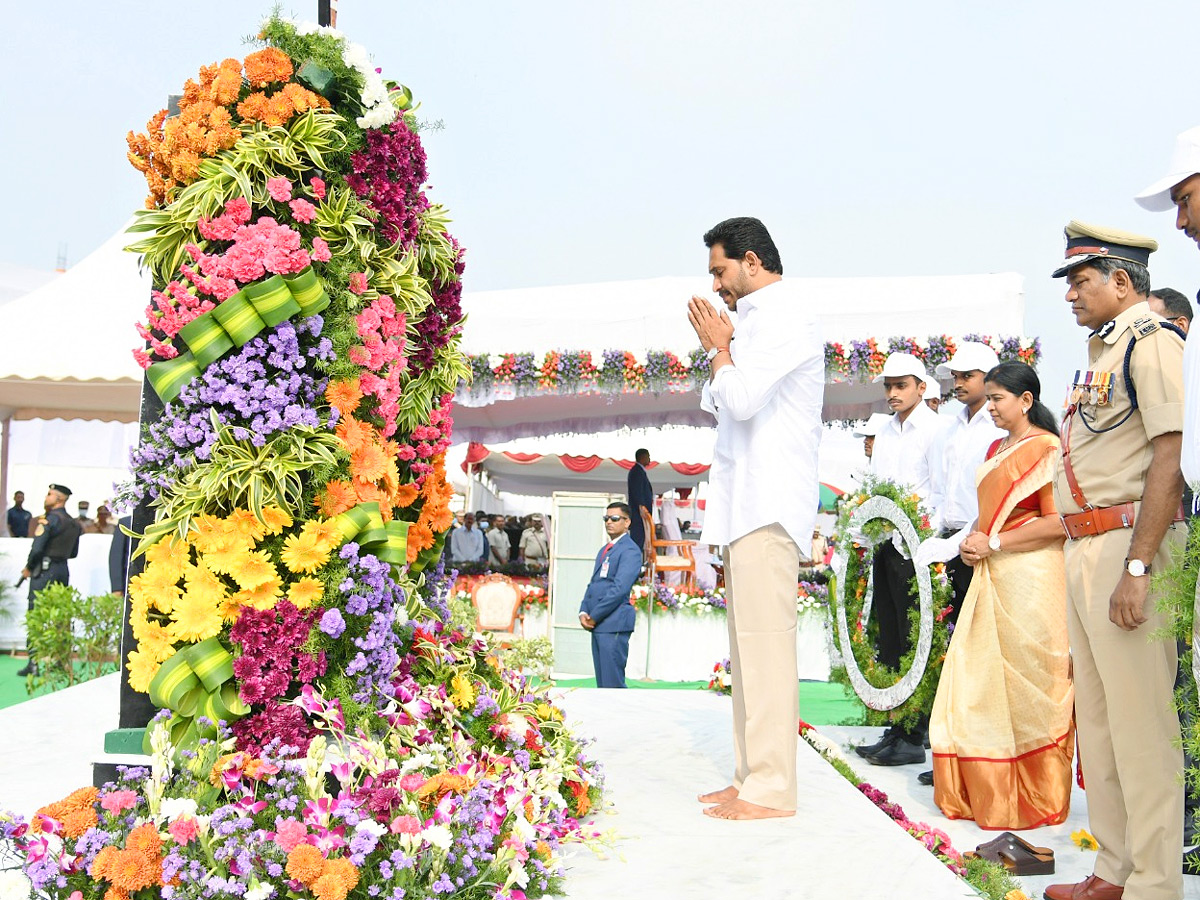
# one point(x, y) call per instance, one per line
point(678, 599)
point(326, 729)
point(859, 546)
point(721, 681)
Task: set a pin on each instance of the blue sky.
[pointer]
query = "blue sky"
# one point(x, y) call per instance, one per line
point(598, 142)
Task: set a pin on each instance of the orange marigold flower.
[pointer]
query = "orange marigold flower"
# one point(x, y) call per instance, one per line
point(145, 840)
point(368, 463)
point(405, 495)
point(343, 870)
point(305, 863)
point(278, 110)
point(328, 887)
point(419, 538)
point(253, 108)
point(104, 859)
point(115, 893)
point(228, 82)
point(354, 434)
point(77, 822)
point(337, 497)
point(345, 394)
point(267, 66)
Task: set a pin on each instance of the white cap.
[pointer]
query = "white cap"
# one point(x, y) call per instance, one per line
point(900, 364)
point(969, 356)
point(873, 425)
point(1185, 162)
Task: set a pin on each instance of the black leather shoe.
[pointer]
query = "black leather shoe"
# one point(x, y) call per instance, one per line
point(926, 778)
point(900, 753)
point(28, 669)
point(889, 737)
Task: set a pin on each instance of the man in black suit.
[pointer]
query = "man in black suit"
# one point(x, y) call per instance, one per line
point(641, 494)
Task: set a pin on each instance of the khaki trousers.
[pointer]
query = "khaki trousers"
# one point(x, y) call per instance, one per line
point(761, 571)
point(1127, 725)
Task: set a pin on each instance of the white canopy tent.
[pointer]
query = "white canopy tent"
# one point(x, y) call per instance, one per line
point(651, 314)
point(68, 358)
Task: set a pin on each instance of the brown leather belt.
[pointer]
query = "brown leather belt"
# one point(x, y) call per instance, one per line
point(1099, 520)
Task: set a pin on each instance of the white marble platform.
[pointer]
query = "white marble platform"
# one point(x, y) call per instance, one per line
point(659, 748)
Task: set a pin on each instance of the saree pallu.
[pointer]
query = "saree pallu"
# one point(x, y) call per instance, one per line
point(1001, 728)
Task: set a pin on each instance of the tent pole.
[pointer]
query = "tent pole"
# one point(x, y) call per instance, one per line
point(5, 431)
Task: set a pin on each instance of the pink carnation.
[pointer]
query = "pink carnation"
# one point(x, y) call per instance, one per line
point(116, 801)
point(318, 187)
point(290, 834)
point(303, 211)
point(320, 251)
point(405, 825)
point(358, 282)
point(412, 781)
point(238, 209)
point(222, 228)
point(184, 830)
point(280, 189)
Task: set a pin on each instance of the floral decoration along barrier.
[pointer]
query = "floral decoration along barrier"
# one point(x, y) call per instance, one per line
point(989, 879)
point(325, 729)
point(659, 371)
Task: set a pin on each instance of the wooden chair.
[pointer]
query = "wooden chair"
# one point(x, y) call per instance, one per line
point(661, 561)
point(497, 602)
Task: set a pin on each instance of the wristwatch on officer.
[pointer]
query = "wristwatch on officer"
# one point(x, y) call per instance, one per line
point(712, 353)
point(1136, 567)
point(994, 543)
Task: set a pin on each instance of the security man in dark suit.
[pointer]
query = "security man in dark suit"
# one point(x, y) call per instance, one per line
point(55, 540)
point(605, 610)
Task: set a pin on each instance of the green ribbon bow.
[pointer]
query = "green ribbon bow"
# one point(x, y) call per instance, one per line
point(364, 525)
point(263, 304)
point(197, 681)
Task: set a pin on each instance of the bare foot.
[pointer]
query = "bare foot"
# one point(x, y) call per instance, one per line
point(721, 796)
point(743, 809)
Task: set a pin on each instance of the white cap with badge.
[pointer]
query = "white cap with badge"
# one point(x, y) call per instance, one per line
point(969, 356)
point(900, 365)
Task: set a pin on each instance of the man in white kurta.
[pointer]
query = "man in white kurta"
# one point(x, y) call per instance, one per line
point(765, 391)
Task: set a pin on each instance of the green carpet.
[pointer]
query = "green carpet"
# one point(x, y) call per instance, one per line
point(12, 687)
point(821, 702)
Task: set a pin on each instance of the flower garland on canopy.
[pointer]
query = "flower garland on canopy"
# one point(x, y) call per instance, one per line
point(659, 371)
point(324, 729)
point(863, 633)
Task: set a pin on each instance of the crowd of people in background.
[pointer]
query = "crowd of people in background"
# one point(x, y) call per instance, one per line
point(21, 523)
point(498, 540)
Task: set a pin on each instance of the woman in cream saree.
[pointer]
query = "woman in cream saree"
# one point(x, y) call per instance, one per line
point(1001, 728)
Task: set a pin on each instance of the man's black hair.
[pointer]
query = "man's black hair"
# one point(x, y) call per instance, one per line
point(623, 507)
point(740, 235)
point(1175, 304)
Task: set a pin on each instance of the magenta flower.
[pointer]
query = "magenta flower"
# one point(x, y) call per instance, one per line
point(318, 187)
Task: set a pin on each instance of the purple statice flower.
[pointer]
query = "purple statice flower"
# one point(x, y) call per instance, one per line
point(268, 386)
point(332, 623)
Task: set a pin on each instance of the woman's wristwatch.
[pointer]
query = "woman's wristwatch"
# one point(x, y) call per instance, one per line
point(994, 543)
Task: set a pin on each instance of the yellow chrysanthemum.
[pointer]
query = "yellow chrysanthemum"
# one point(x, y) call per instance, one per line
point(230, 609)
point(276, 519)
point(195, 619)
point(462, 692)
point(168, 557)
point(155, 588)
point(264, 596)
point(253, 569)
point(1083, 840)
point(203, 584)
point(225, 555)
point(153, 639)
point(206, 533)
point(327, 535)
point(301, 553)
point(246, 523)
point(142, 669)
point(305, 592)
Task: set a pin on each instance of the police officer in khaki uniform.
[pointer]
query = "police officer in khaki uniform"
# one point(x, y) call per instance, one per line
point(55, 540)
point(1118, 490)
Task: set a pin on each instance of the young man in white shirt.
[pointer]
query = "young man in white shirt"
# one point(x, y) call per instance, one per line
point(908, 452)
point(766, 390)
